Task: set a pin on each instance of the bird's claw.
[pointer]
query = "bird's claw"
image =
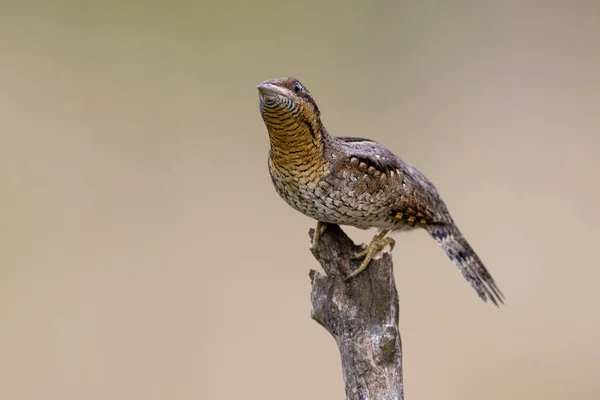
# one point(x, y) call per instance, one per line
point(319, 230)
point(378, 243)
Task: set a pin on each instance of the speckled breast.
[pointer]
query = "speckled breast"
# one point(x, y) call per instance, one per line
point(335, 199)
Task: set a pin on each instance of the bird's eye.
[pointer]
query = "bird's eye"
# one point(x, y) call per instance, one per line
point(297, 88)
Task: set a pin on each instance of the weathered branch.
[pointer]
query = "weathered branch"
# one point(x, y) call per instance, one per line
point(362, 315)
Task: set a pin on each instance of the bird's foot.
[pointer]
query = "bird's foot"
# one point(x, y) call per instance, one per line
point(319, 230)
point(378, 243)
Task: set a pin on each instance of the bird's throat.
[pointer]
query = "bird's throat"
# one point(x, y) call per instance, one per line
point(297, 149)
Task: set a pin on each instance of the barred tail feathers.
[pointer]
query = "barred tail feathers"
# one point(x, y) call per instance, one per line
point(464, 257)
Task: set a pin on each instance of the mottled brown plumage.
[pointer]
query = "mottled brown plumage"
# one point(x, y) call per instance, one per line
point(356, 182)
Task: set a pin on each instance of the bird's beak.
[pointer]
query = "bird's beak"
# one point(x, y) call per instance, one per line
point(268, 89)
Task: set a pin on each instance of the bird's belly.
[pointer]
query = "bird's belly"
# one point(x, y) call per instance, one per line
point(335, 205)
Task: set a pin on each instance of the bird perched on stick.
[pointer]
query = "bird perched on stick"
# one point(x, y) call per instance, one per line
point(356, 182)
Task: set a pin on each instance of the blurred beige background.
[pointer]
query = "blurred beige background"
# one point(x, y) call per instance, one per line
point(145, 255)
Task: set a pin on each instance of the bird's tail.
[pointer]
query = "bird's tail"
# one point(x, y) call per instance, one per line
point(467, 261)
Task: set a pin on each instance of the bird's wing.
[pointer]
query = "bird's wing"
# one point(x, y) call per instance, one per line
point(371, 153)
point(416, 199)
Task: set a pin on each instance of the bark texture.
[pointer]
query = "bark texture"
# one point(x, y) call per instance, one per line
point(361, 314)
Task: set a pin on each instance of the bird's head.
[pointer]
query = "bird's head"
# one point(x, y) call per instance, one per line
point(284, 99)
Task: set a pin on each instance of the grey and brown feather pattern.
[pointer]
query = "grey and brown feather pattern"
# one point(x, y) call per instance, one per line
point(464, 257)
point(421, 205)
point(356, 181)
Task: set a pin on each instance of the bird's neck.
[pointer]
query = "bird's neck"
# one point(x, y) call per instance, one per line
point(298, 147)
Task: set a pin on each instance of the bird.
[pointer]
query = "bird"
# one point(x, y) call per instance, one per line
point(356, 182)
